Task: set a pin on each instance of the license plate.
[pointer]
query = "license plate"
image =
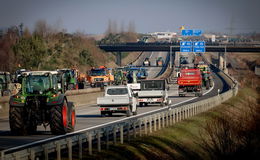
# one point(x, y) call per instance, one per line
point(112, 109)
point(150, 100)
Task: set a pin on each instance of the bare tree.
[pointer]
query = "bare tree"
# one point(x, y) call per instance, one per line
point(41, 28)
point(131, 27)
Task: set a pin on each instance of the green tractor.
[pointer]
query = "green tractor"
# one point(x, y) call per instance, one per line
point(71, 78)
point(5, 84)
point(41, 101)
point(206, 75)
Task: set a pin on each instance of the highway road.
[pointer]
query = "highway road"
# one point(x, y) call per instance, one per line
point(89, 115)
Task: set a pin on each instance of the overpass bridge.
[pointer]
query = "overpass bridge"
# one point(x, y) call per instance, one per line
point(220, 48)
point(174, 47)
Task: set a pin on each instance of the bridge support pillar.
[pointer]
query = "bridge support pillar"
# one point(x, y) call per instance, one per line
point(172, 57)
point(118, 58)
point(222, 61)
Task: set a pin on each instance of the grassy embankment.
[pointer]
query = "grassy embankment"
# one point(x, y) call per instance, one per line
point(229, 131)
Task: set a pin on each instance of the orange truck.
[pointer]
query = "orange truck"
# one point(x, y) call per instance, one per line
point(99, 77)
point(190, 80)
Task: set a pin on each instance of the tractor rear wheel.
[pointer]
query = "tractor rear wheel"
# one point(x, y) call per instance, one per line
point(16, 121)
point(59, 119)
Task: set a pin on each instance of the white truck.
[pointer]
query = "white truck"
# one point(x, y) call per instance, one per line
point(153, 92)
point(117, 99)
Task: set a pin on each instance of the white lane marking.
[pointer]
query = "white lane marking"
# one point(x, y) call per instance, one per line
point(194, 97)
point(151, 55)
point(78, 131)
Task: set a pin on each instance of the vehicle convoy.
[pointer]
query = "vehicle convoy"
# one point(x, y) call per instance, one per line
point(207, 78)
point(153, 92)
point(71, 78)
point(117, 99)
point(139, 73)
point(159, 61)
point(98, 77)
point(6, 86)
point(41, 102)
point(147, 62)
point(190, 80)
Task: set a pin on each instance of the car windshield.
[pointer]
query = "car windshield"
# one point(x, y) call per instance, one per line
point(2, 78)
point(117, 91)
point(152, 85)
point(97, 73)
point(37, 84)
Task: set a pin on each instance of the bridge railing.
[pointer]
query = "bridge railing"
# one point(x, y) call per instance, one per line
point(119, 131)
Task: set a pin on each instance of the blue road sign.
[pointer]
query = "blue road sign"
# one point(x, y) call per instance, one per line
point(199, 46)
point(197, 32)
point(187, 32)
point(186, 46)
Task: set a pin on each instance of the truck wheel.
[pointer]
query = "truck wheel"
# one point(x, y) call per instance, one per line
point(129, 112)
point(141, 104)
point(207, 84)
point(16, 121)
point(72, 123)
point(146, 104)
point(59, 119)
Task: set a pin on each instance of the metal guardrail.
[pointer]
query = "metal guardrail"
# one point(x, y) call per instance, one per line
point(112, 132)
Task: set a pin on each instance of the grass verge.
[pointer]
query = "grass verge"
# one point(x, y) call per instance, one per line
point(229, 131)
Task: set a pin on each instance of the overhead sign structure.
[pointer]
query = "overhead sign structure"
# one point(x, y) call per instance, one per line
point(199, 46)
point(197, 32)
point(186, 46)
point(190, 32)
point(187, 32)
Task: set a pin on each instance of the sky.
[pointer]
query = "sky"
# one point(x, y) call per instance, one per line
point(92, 16)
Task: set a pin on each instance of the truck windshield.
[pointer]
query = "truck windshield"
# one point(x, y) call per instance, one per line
point(152, 86)
point(97, 73)
point(117, 91)
point(37, 84)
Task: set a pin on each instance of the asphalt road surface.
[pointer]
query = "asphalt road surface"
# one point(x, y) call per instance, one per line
point(89, 115)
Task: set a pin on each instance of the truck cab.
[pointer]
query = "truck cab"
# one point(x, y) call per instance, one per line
point(153, 92)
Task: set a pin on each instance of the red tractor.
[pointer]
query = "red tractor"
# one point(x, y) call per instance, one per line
point(190, 80)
